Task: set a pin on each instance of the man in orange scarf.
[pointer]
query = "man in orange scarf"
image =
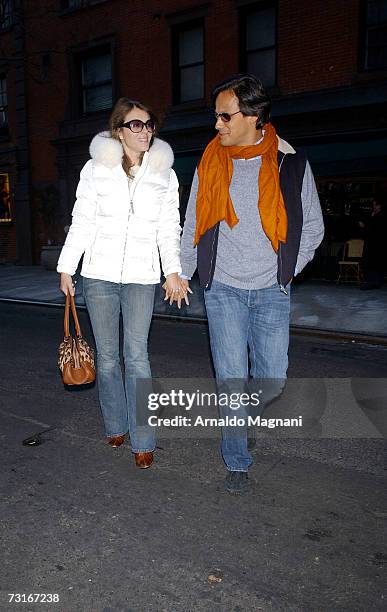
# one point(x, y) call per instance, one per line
point(253, 221)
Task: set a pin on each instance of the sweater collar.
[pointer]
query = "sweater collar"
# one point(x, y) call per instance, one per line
point(284, 146)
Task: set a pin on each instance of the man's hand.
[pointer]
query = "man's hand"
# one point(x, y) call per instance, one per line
point(66, 284)
point(176, 289)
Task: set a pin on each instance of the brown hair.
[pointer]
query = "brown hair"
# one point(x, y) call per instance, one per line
point(120, 110)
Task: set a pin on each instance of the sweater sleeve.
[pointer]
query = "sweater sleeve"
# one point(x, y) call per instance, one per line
point(169, 230)
point(313, 224)
point(188, 251)
point(82, 229)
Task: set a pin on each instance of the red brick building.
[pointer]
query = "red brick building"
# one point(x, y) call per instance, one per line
point(63, 63)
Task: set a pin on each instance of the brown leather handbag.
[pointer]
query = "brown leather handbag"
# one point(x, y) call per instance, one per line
point(76, 357)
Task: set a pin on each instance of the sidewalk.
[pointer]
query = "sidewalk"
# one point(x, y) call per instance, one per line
point(317, 307)
point(82, 522)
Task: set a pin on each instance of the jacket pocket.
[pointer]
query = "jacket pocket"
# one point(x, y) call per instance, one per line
point(93, 244)
point(155, 260)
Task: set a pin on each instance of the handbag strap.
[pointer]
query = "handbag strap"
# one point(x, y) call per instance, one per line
point(70, 301)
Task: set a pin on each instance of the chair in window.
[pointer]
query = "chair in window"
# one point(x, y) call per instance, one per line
point(349, 266)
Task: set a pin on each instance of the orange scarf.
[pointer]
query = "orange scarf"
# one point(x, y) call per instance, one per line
point(213, 203)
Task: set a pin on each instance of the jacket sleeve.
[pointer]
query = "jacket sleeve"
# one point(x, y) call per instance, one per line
point(82, 229)
point(188, 251)
point(313, 224)
point(169, 230)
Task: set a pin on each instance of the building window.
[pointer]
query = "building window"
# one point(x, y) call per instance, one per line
point(188, 62)
point(72, 5)
point(5, 199)
point(258, 42)
point(375, 48)
point(95, 80)
point(3, 103)
point(5, 14)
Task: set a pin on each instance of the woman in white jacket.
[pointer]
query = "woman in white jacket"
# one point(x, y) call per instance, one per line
point(125, 219)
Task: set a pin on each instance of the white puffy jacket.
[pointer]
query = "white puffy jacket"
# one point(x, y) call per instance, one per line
point(122, 226)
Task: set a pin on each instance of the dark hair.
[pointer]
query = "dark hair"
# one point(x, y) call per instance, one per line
point(252, 96)
point(122, 107)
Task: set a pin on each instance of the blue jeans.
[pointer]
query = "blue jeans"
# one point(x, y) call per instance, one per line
point(247, 324)
point(117, 392)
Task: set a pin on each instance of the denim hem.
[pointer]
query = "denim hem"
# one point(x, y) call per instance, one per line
point(115, 435)
point(230, 470)
point(143, 450)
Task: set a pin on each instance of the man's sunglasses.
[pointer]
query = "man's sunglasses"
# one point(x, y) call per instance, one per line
point(226, 117)
point(136, 125)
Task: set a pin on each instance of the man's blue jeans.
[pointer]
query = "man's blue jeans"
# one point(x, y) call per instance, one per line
point(247, 325)
point(117, 393)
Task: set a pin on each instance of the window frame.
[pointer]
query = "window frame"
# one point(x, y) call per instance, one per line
point(4, 107)
point(177, 30)
point(65, 8)
point(244, 12)
point(363, 47)
point(7, 17)
point(77, 89)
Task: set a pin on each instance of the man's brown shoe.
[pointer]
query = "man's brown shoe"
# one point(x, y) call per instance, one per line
point(144, 460)
point(116, 441)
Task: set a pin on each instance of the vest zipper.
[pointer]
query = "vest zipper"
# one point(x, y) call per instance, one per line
point(282, 288)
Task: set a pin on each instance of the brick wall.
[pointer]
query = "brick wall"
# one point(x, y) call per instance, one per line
point(317, 50)
point(8, 248)
point(317, 44)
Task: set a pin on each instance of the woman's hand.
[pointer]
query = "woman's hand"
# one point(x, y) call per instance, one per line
point(176, 289)
point(66, 284)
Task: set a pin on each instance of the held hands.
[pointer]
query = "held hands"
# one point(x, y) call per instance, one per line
point(66, 284)
point(176, 289)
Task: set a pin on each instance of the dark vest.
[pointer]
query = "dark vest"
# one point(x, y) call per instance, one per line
point(292, 170)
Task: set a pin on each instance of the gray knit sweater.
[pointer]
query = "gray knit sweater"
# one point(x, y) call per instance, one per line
point(245, 257)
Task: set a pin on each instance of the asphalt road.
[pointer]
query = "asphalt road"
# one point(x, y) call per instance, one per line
point(79, 520)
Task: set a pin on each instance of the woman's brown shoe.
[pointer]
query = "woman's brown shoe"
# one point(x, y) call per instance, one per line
point(144, 460)
point(116, 441)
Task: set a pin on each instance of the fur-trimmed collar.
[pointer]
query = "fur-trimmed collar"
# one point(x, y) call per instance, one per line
point(108, 151)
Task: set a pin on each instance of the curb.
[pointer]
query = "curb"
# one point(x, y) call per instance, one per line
point(331, 334)
point(328, 334)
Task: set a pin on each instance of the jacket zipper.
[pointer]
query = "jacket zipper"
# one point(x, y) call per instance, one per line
point(131, 212)
point(282, 288)
point(212, 258)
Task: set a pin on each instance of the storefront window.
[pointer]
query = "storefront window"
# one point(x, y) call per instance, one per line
point(344, 203)
point(5, 199)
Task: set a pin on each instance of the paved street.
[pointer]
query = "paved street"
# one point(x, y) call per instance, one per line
point(79, 520)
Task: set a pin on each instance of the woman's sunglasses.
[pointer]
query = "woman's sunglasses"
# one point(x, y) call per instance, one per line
point(136, 125)
point(226, 117)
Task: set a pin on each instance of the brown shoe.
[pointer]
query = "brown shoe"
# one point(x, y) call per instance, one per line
point(116, 441)
point(144, 460)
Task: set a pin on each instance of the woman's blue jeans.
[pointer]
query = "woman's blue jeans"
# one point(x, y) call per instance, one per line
point(117, 391)
point(247, 324)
